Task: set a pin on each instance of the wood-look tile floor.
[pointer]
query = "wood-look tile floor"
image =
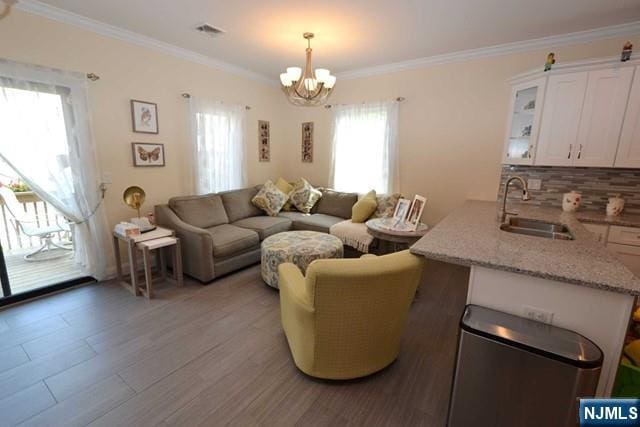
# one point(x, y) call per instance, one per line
point(210, 355)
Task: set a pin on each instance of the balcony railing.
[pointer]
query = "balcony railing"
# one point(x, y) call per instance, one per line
point(11, 237)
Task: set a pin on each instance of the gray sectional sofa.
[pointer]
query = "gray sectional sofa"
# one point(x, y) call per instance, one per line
point(221, 233)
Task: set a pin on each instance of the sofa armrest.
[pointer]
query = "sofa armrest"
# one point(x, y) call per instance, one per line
point(197, 245)
point(369, 256)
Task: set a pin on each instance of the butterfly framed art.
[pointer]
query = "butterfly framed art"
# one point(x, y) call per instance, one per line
point(146, 154)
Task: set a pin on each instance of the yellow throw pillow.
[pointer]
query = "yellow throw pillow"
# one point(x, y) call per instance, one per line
point(364, 208)
point(304, 196)
point(284, 186)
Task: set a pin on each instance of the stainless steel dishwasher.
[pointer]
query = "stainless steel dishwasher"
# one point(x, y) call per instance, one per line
point(512, 371)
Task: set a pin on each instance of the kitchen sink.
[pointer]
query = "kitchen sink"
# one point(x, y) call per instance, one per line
point(530, 227)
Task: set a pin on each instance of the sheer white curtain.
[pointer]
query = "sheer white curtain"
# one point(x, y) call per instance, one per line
point(218, 145)
point(365, 147)
point(45, 136)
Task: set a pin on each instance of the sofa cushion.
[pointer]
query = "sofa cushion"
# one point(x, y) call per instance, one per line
point(200, 211)
point(336, 203)
point(265, 226)
point(284, 186)
point(304, 196)
point(228, 239)
point(238, 204)
point(316, 222)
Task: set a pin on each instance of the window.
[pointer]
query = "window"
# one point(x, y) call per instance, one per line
point(219, 149)
point(364, 147)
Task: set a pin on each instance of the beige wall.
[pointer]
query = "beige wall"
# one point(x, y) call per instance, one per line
point(130, 72)
point(452, 124)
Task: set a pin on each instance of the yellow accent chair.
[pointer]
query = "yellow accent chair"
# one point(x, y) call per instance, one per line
point(345, 319)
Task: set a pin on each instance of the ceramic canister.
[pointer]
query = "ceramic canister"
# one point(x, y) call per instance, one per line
point(571, 201)
point(615, 206)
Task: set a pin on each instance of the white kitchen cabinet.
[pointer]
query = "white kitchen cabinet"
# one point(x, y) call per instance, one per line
point(524, 122)
point(560, 119)
point(628, 155)
point(628, 255)
point(599, 230)
point(603, 111)
point(586, 114)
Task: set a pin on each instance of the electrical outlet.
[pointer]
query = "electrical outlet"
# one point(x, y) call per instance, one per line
point(537, 314)
point(107, 178)
point(534, 184)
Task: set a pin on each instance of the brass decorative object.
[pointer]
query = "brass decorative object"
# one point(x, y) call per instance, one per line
point(134, 197)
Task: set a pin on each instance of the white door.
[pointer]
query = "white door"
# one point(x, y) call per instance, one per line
point(628, 155)
point(602, 114)
point(560, 119)
point(524, 122)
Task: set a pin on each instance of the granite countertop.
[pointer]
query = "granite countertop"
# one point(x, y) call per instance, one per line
point(470, 236)
point(597, 217)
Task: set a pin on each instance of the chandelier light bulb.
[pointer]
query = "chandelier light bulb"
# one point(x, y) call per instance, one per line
point(330, 81)
point(285, 79)
point(294, 73)
point(322, 74)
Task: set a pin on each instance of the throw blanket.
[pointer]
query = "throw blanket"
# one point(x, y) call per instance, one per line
point(352, 234)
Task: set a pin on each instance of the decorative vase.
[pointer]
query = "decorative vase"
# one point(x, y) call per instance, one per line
point(571, 201)
point(615, 206)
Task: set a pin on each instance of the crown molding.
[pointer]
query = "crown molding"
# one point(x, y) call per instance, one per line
point(41, 9)
point(628, 29)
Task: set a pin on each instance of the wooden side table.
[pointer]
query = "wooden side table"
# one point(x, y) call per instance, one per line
point(132, 285)
point(159, 245)
point(380, 229)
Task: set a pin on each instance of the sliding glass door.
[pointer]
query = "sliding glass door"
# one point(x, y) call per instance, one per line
point(51, 229)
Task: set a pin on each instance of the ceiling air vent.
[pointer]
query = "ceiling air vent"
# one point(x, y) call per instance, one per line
point(210, 30)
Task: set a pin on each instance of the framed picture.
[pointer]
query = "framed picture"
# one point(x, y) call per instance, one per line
point(144, 116)
point(415, 213)
point(402, 209)
point(307, 142)
point(145, 154)
point(264, 144)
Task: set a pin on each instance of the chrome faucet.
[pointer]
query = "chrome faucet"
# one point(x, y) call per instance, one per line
point(525, 196)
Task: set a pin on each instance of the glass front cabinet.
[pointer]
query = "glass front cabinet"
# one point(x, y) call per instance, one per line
point(524, 122)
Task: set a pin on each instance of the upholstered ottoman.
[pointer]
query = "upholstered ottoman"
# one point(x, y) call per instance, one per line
point(298, 247)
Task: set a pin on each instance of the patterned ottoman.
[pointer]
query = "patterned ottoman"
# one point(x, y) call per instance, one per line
point(298, 247)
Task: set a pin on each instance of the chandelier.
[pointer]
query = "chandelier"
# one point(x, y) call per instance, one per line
point(311, 87)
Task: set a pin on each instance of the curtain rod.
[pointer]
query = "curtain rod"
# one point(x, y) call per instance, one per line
point(398, 99)
point(188, 95)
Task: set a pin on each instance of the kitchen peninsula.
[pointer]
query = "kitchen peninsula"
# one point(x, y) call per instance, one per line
point(575, 284)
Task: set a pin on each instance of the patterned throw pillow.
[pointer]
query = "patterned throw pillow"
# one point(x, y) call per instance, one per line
point(270, 199)
point(304, 196)
point(386, 205)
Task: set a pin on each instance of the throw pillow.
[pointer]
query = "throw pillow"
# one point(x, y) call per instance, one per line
point(270, 199)
point(284, 186)
point(386, 205)
point(365, 207)
point(304, 196)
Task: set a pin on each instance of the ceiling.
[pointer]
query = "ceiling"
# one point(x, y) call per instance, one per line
point(265, 36)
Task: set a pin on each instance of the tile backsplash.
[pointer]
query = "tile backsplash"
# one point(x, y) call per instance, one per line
point(595, 184)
